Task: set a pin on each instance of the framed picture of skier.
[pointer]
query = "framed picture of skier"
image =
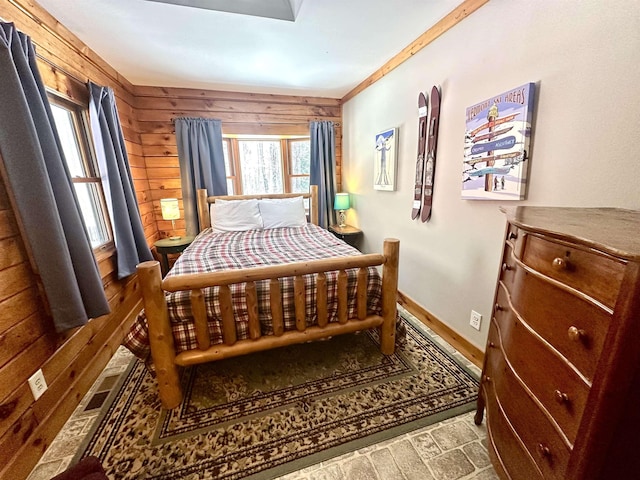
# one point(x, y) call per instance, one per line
point(384, 168)
point(496, 146)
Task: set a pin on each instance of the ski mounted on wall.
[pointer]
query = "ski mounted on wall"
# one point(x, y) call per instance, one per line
point(430, 163)
point(422, 142)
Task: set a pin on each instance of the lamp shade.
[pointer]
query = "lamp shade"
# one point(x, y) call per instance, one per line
point(341, 202)
point(170, 209)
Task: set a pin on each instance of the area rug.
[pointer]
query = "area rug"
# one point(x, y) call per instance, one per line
point(267, 414)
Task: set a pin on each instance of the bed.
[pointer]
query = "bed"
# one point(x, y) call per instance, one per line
point(232, 293)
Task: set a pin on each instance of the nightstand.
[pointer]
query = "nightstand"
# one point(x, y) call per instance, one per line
point(167, 246)
point(349, 234)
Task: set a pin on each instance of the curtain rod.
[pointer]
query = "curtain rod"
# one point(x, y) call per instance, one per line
point(46, 60)
point(49, 62)
point(62, 70)
point(173, 119)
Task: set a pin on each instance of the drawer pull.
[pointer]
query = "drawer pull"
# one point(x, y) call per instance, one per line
point(561, 397)
point(505, 267)
point(498, 307)
point(487, 379)
point(576, 334)
point(513, 236)
point(543, 450)
point(559, 263)
point(492, 345)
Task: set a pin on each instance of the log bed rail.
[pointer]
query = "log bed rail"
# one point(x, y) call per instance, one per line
point(167, 361)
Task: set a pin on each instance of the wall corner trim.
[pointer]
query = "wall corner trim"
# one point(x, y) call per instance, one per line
point(462, 11)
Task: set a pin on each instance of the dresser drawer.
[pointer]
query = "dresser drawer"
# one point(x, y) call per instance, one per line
point(595, 274)
point(493, 351)
point(572, 325)
point(562, 355)
point(541, 439)
point(508, 266)
point(513, 233)
point(507, 447)
point(549, 377)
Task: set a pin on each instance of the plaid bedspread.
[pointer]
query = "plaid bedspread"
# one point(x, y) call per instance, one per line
point(212, 251)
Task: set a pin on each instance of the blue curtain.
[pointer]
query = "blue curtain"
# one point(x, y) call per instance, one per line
point(120, 196)
point(322, 169)
point(39, 180)
point(201, 163)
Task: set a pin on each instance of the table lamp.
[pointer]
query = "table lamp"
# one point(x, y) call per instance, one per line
point(170, 211)
point(341, 203)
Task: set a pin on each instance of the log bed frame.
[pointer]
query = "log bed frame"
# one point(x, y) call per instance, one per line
point(160, 335)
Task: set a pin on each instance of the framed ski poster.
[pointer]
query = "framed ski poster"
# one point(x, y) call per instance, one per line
point(496, 146)
point(384, 168)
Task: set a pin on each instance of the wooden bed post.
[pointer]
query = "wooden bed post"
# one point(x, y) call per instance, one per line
point(313, 205)
point(389, 295)
point(204, 219)
point(160, 335)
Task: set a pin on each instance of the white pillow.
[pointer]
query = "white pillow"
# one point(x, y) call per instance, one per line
point(282, 212)
point(235, 215)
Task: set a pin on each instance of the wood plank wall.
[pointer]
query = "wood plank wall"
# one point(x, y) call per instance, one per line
point(71, 363)
point(241, 113)
point(27, 339)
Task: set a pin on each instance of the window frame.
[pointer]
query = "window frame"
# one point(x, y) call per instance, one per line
point(233, 148)
point(80, 120)
point(288, 175)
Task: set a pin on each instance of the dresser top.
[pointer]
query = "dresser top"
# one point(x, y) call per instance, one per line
point(611, 230)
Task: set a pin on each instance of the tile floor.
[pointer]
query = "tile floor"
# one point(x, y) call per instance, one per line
point(454, 449)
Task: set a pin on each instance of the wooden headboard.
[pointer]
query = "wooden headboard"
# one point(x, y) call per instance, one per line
point(204, 201)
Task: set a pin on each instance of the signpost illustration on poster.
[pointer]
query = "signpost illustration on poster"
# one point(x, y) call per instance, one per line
point(496, 146)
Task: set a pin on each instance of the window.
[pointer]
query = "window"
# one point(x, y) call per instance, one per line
point(299, 165)
point(258, 165)
point(261, 166)
point(72, 126)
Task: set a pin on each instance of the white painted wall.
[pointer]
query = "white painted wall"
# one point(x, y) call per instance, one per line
point(583, 55)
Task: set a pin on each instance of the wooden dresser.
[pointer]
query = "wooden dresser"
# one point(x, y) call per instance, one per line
point(561, 376)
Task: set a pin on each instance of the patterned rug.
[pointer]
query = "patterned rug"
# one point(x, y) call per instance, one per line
point(267, 414)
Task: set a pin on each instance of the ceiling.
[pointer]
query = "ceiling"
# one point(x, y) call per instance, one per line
point(330, 48)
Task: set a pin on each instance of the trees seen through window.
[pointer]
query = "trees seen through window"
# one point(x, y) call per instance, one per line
point(257, 165)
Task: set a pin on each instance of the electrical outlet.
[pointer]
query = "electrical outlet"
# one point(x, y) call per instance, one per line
point(38, 384)
point(475, 320)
